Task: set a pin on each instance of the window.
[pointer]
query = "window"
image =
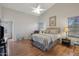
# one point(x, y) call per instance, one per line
point(73, 26)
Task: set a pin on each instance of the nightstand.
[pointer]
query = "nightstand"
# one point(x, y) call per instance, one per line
point(66, 42)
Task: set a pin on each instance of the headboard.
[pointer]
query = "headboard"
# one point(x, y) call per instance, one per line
point(52, 30)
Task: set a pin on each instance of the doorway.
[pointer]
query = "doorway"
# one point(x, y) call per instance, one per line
point(7, 29)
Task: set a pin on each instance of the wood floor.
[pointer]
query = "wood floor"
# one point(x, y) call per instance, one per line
point(25, 48)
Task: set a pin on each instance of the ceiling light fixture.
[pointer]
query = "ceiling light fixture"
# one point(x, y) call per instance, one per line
point(38, 9)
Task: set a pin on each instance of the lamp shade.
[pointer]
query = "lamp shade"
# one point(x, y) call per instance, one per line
point(66, 29)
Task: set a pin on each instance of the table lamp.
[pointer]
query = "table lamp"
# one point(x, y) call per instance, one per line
point(66, 30)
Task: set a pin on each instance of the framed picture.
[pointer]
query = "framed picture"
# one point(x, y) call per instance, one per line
point(52, 21)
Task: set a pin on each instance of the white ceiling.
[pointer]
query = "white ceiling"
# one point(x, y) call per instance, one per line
point(27, 7)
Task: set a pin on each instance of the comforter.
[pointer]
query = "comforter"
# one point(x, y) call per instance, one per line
point(44, 41)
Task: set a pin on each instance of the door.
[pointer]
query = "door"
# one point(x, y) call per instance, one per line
point(7, 29)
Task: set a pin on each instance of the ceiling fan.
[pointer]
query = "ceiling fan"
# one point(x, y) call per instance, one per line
point(38, 9)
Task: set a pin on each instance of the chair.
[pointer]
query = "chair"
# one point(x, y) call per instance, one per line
point(2, 42)
point(3, 47)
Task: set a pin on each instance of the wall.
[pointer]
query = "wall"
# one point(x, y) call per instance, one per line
point(23, 24)
point(0, 11)
point(62, 12)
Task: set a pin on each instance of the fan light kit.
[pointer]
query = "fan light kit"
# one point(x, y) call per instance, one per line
point(38, 9)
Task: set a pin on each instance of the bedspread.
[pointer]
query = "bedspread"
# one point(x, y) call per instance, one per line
point(44, 40)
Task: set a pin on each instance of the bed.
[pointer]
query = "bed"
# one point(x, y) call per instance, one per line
point(46, 40)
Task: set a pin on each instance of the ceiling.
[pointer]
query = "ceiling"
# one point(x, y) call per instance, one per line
point(27, 7)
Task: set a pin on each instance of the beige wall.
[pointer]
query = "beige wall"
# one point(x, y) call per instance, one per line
point(0, 11)
point(23, 24)
point(62, 12)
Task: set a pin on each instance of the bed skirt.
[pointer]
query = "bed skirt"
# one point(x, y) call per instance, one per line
point(42, 46)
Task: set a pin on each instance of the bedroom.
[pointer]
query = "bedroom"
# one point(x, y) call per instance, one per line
point(21, 24)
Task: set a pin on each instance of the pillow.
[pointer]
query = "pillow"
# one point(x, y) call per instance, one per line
point(52, 30)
